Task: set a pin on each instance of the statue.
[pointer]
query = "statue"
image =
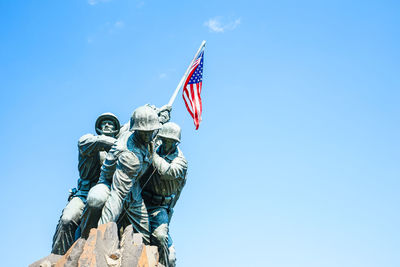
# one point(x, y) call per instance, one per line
point(162, 185)
point(128, 159)
point(92, 151)
point(141, 178)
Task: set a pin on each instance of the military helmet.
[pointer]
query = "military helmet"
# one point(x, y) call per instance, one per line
point(107, 116)
point(170, 130)
point(144, 119)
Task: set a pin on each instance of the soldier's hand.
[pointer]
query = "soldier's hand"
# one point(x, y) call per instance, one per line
point(72, 193)
point(151, 149)
point(165, 108)
point(164, 113)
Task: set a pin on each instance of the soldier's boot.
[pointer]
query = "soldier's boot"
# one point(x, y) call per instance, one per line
point(159, 237)
point(172, 256)
point(64, 236)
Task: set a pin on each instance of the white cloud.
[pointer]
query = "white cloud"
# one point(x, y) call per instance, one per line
point(95, 2)
point(217, 25)
point(163, 76)
point(214, 25)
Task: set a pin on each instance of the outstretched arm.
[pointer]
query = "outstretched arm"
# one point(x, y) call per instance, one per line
point(90, 144)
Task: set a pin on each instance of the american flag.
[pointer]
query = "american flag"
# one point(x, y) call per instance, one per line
point(192, 89)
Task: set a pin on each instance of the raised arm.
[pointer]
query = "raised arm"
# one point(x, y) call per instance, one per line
point(90, 144)
point(171, 171)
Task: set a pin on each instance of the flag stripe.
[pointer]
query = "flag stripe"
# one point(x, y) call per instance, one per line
point(188, 99)
point(188, 102)
point(192, 90)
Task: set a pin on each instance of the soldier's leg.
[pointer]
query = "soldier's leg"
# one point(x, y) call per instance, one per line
point(172, 251)
point(172, 256)
point(64, 236)
point(135, 213)
point(158, 217)
point(96, 199)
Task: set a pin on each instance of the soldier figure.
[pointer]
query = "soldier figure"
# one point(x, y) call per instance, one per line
point(126, 162)
point(92, 152)
point(162, 185)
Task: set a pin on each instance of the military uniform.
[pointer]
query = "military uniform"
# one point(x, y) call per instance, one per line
point(160, 195)
point(162, 185)
point(92, 151)
point(132, 162)
point(124, 165)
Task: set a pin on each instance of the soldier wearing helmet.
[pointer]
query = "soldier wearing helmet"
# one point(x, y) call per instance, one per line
point(162, 185)
point(126, 162)
point(163, 113)
point(92, 152)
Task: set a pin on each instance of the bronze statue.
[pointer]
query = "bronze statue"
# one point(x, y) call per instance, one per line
point(128, 159)
point(162, 185)
point(92, 151)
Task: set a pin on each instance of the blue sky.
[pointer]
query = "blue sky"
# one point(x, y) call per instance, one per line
point(296, 162)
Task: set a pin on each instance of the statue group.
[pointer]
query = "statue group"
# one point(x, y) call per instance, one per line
point(131, 175)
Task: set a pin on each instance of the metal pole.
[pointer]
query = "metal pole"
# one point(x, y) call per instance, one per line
point(172, 99)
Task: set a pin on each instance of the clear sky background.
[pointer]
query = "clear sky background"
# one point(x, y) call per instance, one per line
point(296, 162)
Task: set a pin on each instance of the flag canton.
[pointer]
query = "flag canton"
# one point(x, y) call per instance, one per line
point(197, 76)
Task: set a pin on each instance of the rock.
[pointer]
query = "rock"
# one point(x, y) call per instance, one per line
point(102, 242)
point(103, 249)
point(71, 258)
point(152, 255)
point(132, 247)
point(48, 261)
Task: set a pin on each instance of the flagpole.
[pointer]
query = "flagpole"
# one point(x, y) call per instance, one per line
point(172, 99)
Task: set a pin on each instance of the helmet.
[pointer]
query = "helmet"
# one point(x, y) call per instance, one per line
point(144, 119)
point(171, 130)
point(107, 116)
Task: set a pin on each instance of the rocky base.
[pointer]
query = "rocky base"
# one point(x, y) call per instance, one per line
point(103, 248)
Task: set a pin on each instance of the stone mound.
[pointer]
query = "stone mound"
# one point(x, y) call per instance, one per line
point(104, 249)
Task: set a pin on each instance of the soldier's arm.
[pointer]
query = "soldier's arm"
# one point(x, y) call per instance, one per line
point(89, 144)
point(170, 171)
point(110, 162)
point(164, 112)
point(109, 165)
point(127, 169)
